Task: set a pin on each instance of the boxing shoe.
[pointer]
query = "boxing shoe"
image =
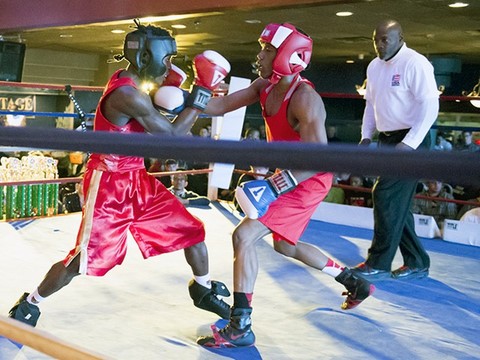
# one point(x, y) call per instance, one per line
point(358, 289)
point(406, 273)
point(24, 311)
point(366, 271)
point(206, 299)
point(237, 333)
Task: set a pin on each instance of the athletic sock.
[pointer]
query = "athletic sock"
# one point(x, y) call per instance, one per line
point(35, 295)
point(332, 268)
point(203, 280)
point(242, 300)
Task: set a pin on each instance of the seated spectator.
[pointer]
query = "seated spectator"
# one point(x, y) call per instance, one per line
point(154, 165)
point(203, 132)
point(440, 210)
point(15, 120)
point(186, 197)
point(441, 143)
point(168, 165)
point(332, 134)
point(358, 197)
point(472, 215)
point(263, 132)
point(252, 134)
point(466, 144)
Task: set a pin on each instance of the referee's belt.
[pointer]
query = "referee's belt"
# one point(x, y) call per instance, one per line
point(394, 132)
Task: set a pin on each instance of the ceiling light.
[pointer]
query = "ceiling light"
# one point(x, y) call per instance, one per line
point(350, 61)
point(476, 94)
point(458, 5)
point(66, 35)
point(344, 13)
point(179, 26)
point(253, 21)
point(117, 31)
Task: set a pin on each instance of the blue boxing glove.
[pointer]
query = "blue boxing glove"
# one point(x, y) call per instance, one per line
point(255, 197)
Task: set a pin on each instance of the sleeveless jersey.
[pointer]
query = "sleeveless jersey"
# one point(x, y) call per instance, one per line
point(112, 162)
point(288, 216)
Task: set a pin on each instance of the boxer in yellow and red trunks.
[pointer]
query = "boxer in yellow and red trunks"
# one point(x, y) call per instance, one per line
point(120, 195)
point(282, 204)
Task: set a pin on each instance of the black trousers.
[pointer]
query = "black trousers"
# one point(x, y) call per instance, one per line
point(394, 225)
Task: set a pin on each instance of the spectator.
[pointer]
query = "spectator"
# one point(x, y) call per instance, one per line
point(358, 197)
point(466, 143)
point(15, 120)
point(263, 134)
point(169, 165)
point(332, 134)
point(154, 165)
point(252, 134)
point(186, 197)
point(441, 143)
point(439, 209)
point(203, 132)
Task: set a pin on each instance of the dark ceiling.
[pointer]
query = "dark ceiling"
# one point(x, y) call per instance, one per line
point(430, 26)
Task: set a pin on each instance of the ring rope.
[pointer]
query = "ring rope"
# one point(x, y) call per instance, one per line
point(43, 341)
point(42, 113)
point(417, 196)
point(447, 166)
point(79, 178)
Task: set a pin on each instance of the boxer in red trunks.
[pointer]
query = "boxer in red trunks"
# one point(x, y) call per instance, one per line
point(284, 203)
point(120, 195)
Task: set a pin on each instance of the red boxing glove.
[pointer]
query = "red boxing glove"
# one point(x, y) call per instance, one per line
point(175, 77)
point(210, 69)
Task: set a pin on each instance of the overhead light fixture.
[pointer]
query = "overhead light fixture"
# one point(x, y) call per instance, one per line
point(362, 89)
point(117, 31)
point(458, 5)
point(179, 26)
point(476, 94)
point(344, 13)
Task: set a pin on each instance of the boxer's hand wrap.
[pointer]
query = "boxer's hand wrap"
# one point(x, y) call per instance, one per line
point(255, 197)
point(210, 69)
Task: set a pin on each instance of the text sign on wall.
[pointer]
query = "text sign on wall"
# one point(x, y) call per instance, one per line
point(23, 103)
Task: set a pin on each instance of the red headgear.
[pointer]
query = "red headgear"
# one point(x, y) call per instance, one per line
point(294, 49)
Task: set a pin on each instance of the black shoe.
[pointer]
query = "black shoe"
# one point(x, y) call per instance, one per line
point(370, 273)
point(24, 311)
point(206, 299)
point(406, 273)
point(237, 333)
point(358, 289)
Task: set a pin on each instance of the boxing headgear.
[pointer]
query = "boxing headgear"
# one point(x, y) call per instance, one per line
point(294, 49)
point(146, 49)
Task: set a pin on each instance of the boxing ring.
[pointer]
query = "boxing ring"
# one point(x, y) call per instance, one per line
point(142, 309)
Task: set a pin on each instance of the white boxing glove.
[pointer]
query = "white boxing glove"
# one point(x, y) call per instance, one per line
point(255, 197)
point(210, 69)
point(170, 99)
